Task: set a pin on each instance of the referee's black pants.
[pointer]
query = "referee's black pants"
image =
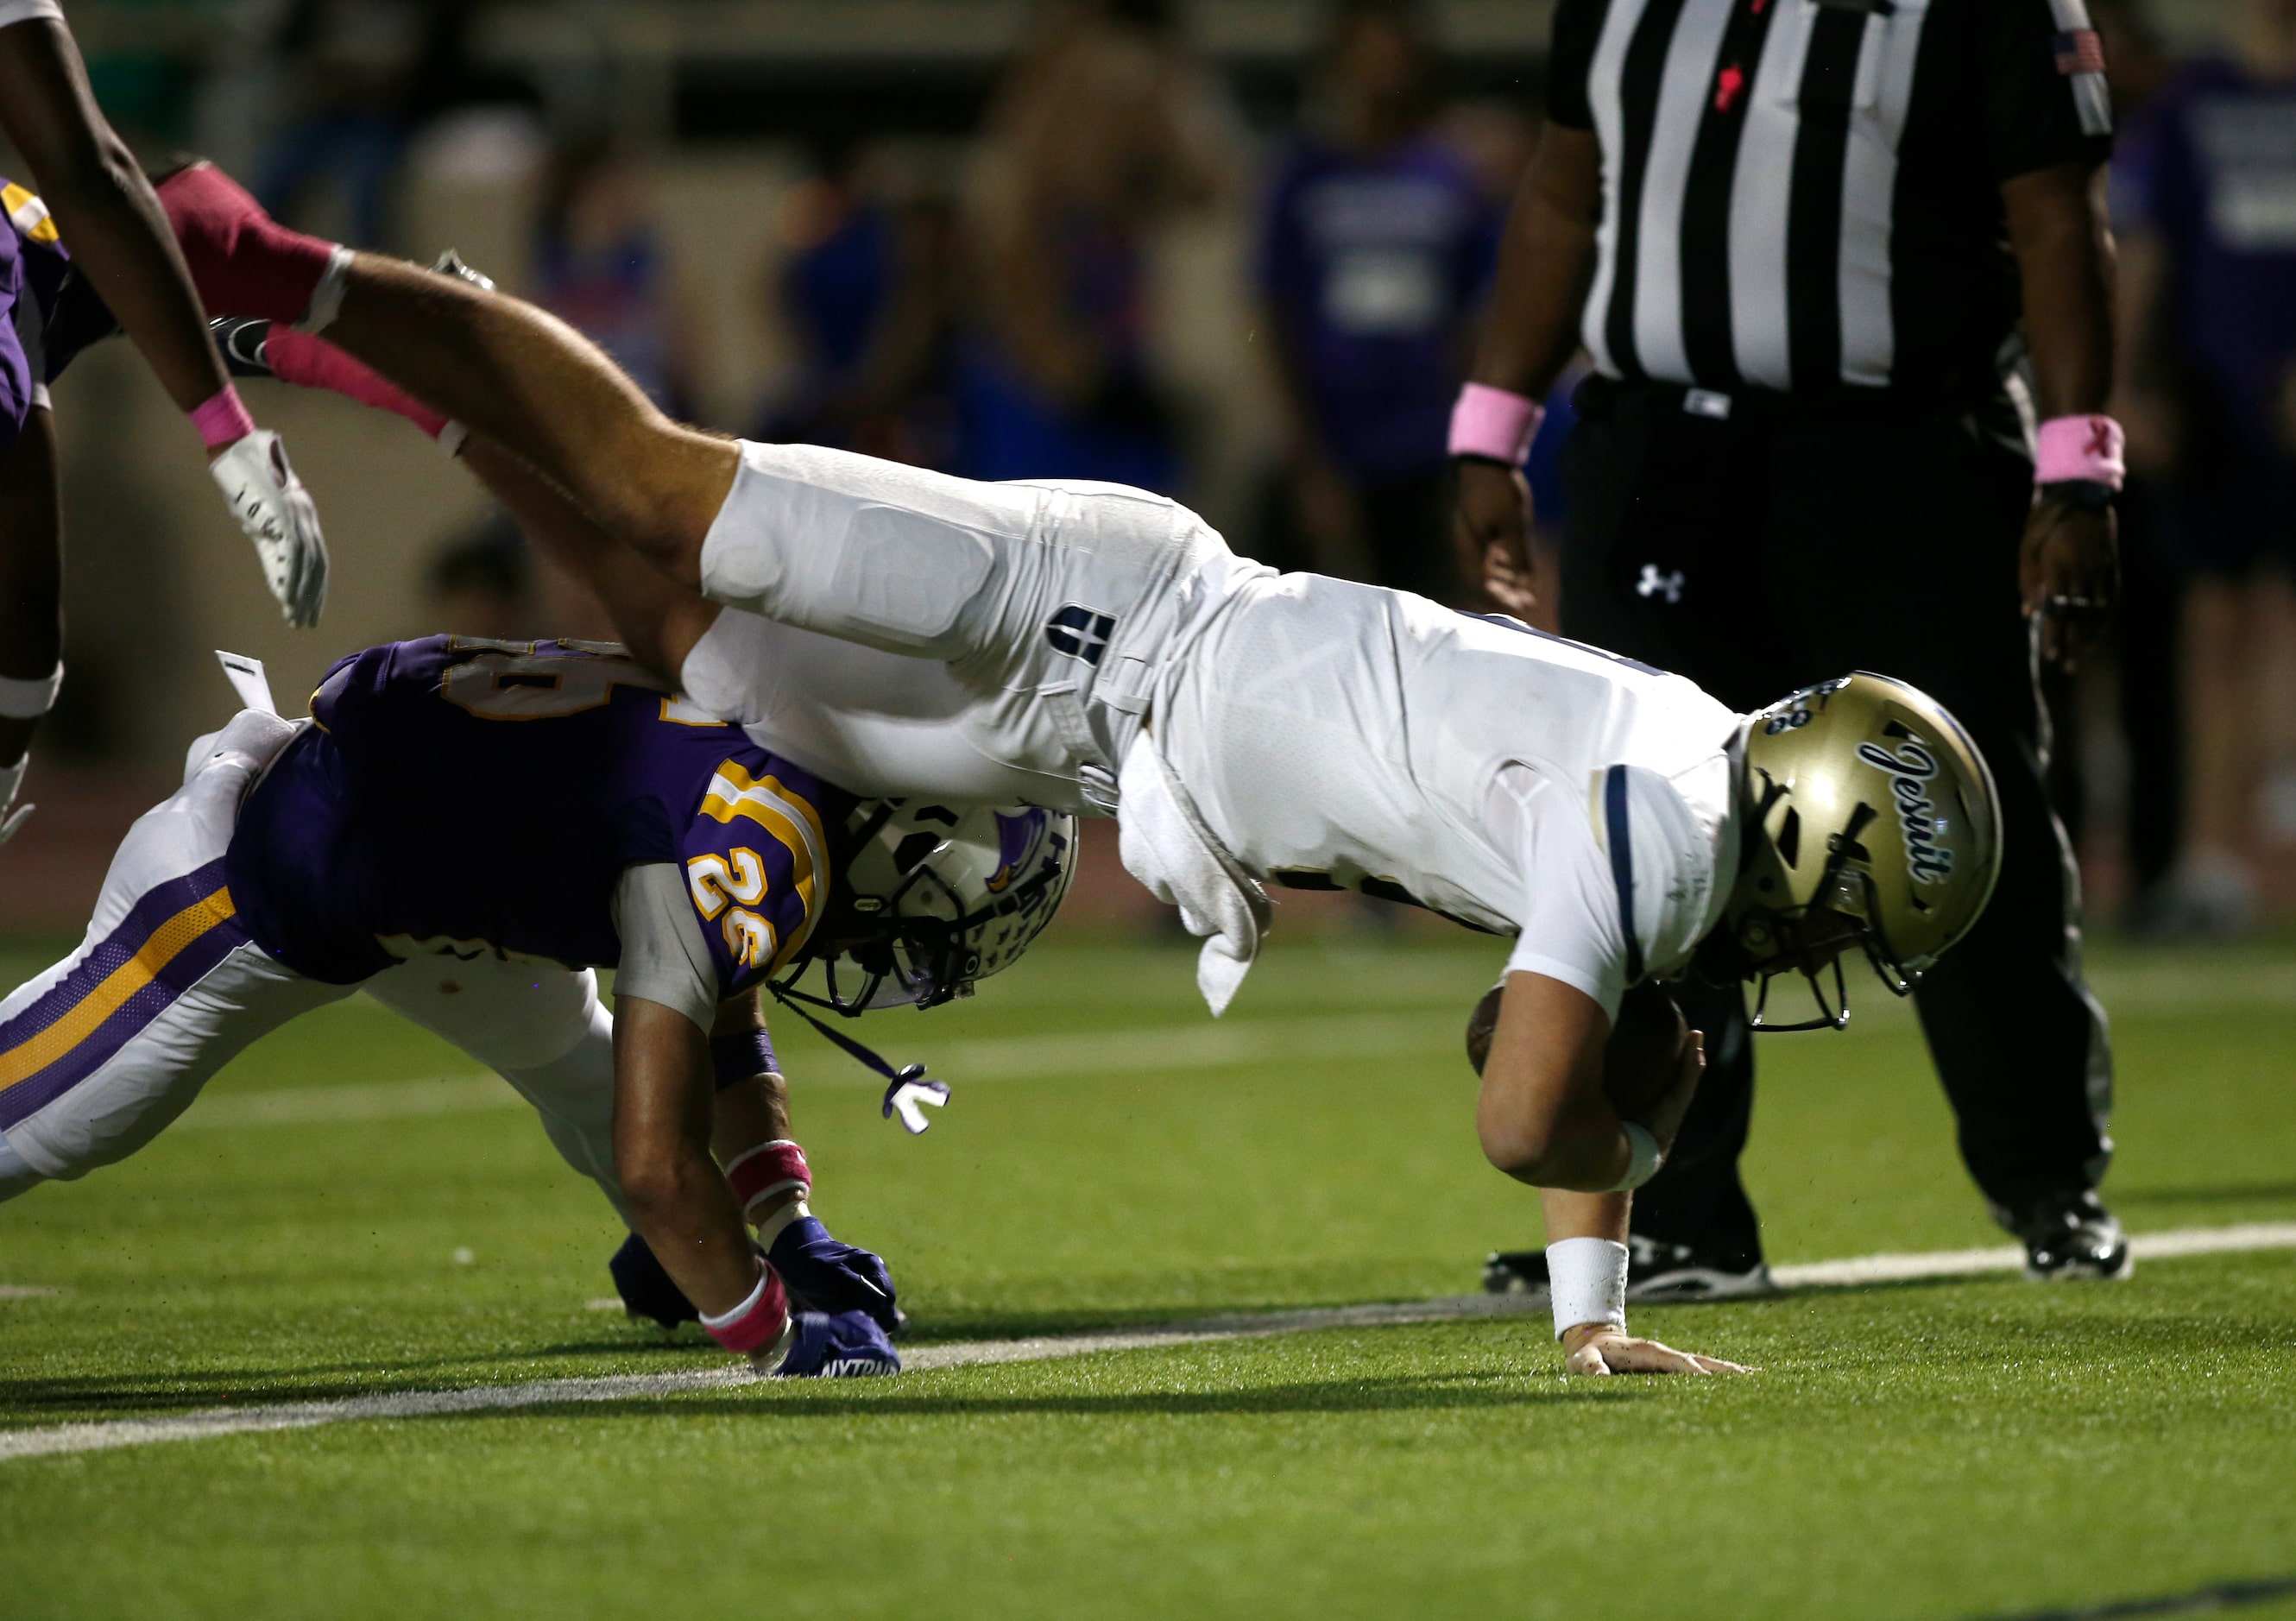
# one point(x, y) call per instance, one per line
point(1761, 553)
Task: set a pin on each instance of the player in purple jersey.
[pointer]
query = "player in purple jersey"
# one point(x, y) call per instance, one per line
point(466, 830)
point(121, 235)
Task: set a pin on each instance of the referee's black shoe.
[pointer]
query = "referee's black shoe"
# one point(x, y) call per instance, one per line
point(1656, 1270)
point(2073, 1235)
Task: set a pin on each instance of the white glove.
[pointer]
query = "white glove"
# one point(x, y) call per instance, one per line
point(11, 814)
point(276, 511)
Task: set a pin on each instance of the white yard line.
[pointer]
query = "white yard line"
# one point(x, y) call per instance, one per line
point(55, 1438)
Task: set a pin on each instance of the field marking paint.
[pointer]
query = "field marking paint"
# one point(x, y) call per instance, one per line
point(26, 1291)
point(2009, 1257)
point(1019, 1058)
point(105, 1434)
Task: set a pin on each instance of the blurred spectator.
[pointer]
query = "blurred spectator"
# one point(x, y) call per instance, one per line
point(2215, 214)
point(488, 580)
point(601, 265)
point(1099, 133)
point(481, 583)
point(2144, 655)
point(867, 292)
point(362, 73)
point(1376, 242)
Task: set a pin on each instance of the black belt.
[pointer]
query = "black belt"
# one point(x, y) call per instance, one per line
point(1598, 395)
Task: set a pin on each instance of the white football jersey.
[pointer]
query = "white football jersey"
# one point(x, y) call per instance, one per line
point(1338, 735)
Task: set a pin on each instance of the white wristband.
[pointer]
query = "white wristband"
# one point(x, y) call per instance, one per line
point(1587, 1282)
point(1642, 1164)
point(30, 700)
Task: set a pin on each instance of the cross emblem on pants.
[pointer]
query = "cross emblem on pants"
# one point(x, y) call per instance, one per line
point(1655, 584)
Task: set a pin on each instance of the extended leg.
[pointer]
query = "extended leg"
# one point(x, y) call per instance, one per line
point(99, 1054)
point(501, 367)
point(539, 1027)
point(31, 571)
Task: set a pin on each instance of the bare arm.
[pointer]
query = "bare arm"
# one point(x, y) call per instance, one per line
point(2069, 569)
point(1542, 1115)
point(657, 620)
point(1546, 260)
point(1545, 1118)
point(104, 206)
point(678, 1199)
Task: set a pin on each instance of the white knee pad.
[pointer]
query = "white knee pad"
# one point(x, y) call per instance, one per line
point(888, 556)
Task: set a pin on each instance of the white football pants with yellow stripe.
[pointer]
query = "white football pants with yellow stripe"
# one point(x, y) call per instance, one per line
point(99, 1053)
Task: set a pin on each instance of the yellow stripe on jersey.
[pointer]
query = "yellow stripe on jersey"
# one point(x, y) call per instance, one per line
point(117, 988)
point(28, 214)
point(792, 820)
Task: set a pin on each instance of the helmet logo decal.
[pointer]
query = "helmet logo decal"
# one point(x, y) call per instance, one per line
point(1016, 838)
point(1081, 632)
point(1910, 769)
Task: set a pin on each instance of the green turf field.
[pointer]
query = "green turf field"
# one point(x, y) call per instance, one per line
point(347, 1212)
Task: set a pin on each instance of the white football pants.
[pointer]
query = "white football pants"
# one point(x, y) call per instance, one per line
point(99, 1053)
point(906, 633)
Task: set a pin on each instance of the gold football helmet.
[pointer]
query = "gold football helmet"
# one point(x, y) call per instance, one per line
point(1871, 821)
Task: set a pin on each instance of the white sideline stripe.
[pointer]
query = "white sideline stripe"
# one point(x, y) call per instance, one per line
point(2010, 1257)
point(1159, 1047)
point(35, 1292)
point(99, 1436)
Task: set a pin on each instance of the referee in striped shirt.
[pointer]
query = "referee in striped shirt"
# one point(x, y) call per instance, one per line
point(1843, 271)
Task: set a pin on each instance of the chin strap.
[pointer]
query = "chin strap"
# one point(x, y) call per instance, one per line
point(908, 1089)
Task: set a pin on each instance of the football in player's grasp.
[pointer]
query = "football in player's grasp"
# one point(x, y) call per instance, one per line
point(1641, 1062)
point(1644, 1058)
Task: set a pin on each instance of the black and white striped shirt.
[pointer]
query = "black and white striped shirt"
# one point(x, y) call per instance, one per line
point(1804, 195)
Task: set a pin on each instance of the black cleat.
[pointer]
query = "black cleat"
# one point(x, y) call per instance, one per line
point(1657, 1272)
point(240, 341)
point(646, 1289)
point(2073, 1236)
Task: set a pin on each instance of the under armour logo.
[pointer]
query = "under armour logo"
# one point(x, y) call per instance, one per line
point(2100, 437)
point(1080, 633)
point(1655, 584)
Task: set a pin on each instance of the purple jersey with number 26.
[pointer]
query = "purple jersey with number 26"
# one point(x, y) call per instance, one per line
point(459, 795)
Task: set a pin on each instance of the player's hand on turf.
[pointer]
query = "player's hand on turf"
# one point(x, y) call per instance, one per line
point(827, 1275)
point(2068, 571)
point(275, 511)
point(1601, 1348)
point(830, 1344)
point(1490, 525)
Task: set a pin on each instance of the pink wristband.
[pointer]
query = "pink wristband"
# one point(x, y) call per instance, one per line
point(767, 1169)
point(1494, 423)
point(2083, 447)
point(222, 421)
point(758, 1322)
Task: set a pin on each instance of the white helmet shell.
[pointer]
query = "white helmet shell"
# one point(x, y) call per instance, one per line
point(931, 899)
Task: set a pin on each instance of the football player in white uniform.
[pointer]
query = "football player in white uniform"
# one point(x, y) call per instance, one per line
point(1099, 648)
